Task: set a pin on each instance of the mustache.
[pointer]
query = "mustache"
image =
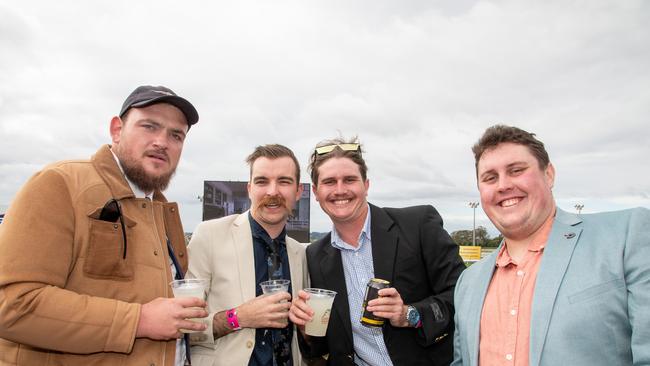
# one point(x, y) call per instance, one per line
point(341, 196)
point(273, 200)
point(162, 152)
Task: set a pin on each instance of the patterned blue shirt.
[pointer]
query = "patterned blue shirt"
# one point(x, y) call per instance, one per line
point(369, 346)
point(263, 352)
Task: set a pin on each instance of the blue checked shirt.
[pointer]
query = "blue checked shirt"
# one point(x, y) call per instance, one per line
point(369, 346)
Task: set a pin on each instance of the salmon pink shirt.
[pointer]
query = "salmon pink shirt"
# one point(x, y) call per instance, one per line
point(505, 320)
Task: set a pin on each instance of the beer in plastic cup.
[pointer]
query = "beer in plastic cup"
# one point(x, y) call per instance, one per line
point(320, 301)
point(273, 286)
point(191, 287)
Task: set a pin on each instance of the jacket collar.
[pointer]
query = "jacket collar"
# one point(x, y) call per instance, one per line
point(331, 267)
point(242, 236)
point(555, 261)
point(112, 175)
point(384, 244)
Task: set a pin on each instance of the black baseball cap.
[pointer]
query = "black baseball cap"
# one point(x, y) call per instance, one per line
point(147, 95)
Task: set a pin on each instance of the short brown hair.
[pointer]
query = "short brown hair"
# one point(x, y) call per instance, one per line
point(316, 160)
point(273, 151)
point(499, 134)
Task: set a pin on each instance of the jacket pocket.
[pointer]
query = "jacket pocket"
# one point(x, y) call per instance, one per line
point(595, 291)
point(106, 249)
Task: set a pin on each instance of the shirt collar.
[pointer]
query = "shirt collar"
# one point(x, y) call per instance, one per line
point(259, 232)
point(536, 245)
point(364, 236)
point(136, 191)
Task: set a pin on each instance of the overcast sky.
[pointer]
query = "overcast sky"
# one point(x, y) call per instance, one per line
point(417, 81)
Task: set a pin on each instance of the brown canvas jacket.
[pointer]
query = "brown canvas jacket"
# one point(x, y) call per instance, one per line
point(67, 295)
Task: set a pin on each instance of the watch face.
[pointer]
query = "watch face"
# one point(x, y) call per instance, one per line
point(412, 316)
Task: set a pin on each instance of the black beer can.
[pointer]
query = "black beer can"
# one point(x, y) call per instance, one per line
point(372, 292)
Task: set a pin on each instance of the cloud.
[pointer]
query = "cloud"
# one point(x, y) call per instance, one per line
point(417, 81)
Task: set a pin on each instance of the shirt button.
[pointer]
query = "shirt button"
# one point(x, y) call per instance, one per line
point(509, 357)
point(520, 273)
point(513, 312)
point(356, 254)
point(114, 226)
point(181, 254)
point(155, 252)
point(173, 209)
point(144, 205)
point(249, 344)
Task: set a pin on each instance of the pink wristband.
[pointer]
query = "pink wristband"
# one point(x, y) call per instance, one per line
point(231, 318)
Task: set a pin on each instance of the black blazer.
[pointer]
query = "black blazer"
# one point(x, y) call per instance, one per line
point(411, 249)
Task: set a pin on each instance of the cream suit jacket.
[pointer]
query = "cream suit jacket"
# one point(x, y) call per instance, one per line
point(221, 251)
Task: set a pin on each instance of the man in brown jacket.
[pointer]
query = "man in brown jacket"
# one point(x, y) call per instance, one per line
point(88, 249)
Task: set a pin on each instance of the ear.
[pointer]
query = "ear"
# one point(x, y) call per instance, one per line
point(300, 189)
point(116, 129)
point(549, 173)
point(367, 185)
point(248, 189)
point(313, 189)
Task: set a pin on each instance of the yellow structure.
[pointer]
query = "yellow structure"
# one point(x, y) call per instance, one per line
point(470, 253)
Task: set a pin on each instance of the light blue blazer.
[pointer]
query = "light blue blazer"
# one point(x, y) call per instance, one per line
point(592, 296)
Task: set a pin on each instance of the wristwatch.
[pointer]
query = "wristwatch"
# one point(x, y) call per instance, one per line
point(413, 316)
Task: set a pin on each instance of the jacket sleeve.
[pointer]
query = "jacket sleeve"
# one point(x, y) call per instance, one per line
point(637, 279)
point(313, 348)
point(443, 266)
point(37, 252)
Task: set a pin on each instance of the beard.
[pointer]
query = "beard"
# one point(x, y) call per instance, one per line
point(135, 172)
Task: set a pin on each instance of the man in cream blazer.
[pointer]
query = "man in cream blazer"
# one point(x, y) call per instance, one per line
point(562, 289)
point(249, 328)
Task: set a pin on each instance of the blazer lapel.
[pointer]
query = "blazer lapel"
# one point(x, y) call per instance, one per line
point(243, 242)
point(295, 266)
point(333, 276)
point(555, 260)
point(477, 298)
point(384, 244)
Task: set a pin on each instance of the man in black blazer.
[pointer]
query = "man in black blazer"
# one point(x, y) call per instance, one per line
point(406, 246)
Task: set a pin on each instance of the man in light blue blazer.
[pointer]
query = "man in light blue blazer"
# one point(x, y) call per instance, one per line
point(589, 299)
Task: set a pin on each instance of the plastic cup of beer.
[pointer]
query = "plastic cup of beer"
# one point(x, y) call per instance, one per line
point(320, 301)
point(273, 286)
point(191, 287)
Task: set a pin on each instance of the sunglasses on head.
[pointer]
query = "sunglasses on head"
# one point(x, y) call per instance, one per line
point(345, 147)
point(112, 212)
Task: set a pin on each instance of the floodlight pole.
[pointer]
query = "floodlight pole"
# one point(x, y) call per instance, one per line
point(474, 205)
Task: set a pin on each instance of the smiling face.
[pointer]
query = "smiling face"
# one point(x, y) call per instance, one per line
point(148, 143)
point(515, 191)
point(273, 191)
point(341, 191)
